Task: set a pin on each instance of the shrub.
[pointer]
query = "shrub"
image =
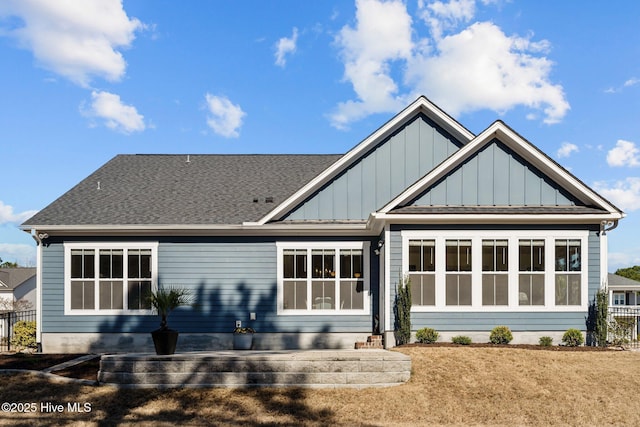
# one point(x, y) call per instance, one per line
point(427, 335)
point(461, 339)
point(572, 338)
point(24, 334)
point(501, 335)
point(402, 311)
point(546, 341)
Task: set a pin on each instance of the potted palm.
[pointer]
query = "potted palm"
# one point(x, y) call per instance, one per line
point(164, 301)
point(243, 338)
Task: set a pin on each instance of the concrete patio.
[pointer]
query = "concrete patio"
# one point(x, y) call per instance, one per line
point(287, 368)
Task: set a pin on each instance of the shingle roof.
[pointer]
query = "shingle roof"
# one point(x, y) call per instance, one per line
point(615, 280)
point(181, 189)
point(13, 277)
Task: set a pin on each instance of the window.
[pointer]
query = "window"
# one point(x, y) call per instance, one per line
point(568, 265)
point(108, 278)
point(422, 267)
point(531, 255)
point(337, 281)
point(619, 298)
point(495, 267)
point(495, 270)
point(458, 278)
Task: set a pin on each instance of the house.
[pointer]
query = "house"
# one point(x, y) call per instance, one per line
point(17, 285)
point(623, 292)
point(309, 249)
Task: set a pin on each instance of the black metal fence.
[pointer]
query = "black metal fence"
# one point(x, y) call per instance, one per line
point(624, 326)
point(7, 323)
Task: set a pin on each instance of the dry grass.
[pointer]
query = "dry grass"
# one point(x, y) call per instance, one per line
point(455, 386)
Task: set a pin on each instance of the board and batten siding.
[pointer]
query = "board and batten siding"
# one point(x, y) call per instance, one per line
point(381, 174)
point(230, 279)
point(496, 176)
point(480, 321)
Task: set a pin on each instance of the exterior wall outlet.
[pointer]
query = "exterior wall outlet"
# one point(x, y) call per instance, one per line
point(252, 316)
point(238, 323)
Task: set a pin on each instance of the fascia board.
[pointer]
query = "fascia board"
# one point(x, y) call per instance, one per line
point(497, 218)
point(360, 228)
point(524, 148)
point(422, 104)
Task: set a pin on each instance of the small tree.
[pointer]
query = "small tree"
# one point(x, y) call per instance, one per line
point(402, 311)
point(602, 312)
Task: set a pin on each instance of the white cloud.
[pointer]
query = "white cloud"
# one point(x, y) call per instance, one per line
point(8, 216)
point(624, 154)
point(24, 255)
point(461, 67)
point(116, 115)
point(382, 35)
point(75, 39)
point(566, 149)
point(225, 118)
point(624, 194)
point(286, 46)
point(631, 82)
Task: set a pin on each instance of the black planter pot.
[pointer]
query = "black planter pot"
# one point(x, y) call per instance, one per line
point(165, 340)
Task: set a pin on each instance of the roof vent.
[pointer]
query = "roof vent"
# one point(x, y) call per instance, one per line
point(188, 159)
point(255, 200)
point(268, 199)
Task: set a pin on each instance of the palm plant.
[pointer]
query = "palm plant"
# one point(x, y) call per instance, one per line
point(167, 299)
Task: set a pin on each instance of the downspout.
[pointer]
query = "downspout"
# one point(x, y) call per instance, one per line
point(38, 238)
point(605, 227)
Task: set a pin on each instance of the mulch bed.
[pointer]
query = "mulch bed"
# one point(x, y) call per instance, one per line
point(523, 346)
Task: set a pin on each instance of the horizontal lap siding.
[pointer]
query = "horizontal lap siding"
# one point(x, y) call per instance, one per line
point(229, 280)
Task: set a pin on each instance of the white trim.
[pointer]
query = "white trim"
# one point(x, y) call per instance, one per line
point(388, 304)
point(310, 245)
point(513, 236)
point(519, 145)
point(420, 105)
point(153, 246)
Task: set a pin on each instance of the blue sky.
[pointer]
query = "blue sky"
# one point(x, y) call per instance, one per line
point(83, 81)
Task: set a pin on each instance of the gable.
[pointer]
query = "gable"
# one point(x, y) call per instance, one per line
point(495, 176)
point(380, 174)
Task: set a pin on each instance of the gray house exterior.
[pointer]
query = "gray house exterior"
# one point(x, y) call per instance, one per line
point(309, 249)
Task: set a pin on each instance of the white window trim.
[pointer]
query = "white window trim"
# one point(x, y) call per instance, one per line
point(106, 245)
point(365, 246)
point(513, 236)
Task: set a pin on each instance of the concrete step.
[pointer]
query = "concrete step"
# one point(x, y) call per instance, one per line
point(317, 369)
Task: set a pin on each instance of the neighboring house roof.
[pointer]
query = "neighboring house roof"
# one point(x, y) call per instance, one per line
point(181, 189)
point(620, 282)
point(11, 278)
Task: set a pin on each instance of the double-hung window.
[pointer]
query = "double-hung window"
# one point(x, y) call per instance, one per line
point(109, 278)
point(323, 278)
point(422, 269)
point(495, 268)
point(531, 265)
point(568, 266)
point(458, 276)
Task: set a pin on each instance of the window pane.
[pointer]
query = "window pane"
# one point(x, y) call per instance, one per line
point(323, 263)
point(133, 264)
point(138, 293)
point(538, 255)
point(488, 255)
point(561, 255)
point(465, 255)
point(531, 289)
point(351, 263)
point(145, 264)
point(575, 255)
point(295, 263)
point(423, 289)
point(451, 253)
point(464, 289)
point(502, 255)
point(82, 263)
point(82, 295)
point(458, 289)
point(351, 295)
point(422, 255)
point(323, 295)
point(488, 289)
point(502, 289)
point(415, 250)
point(110, 297)
point(524, 255)
point(295, 295)
point(111, 263)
